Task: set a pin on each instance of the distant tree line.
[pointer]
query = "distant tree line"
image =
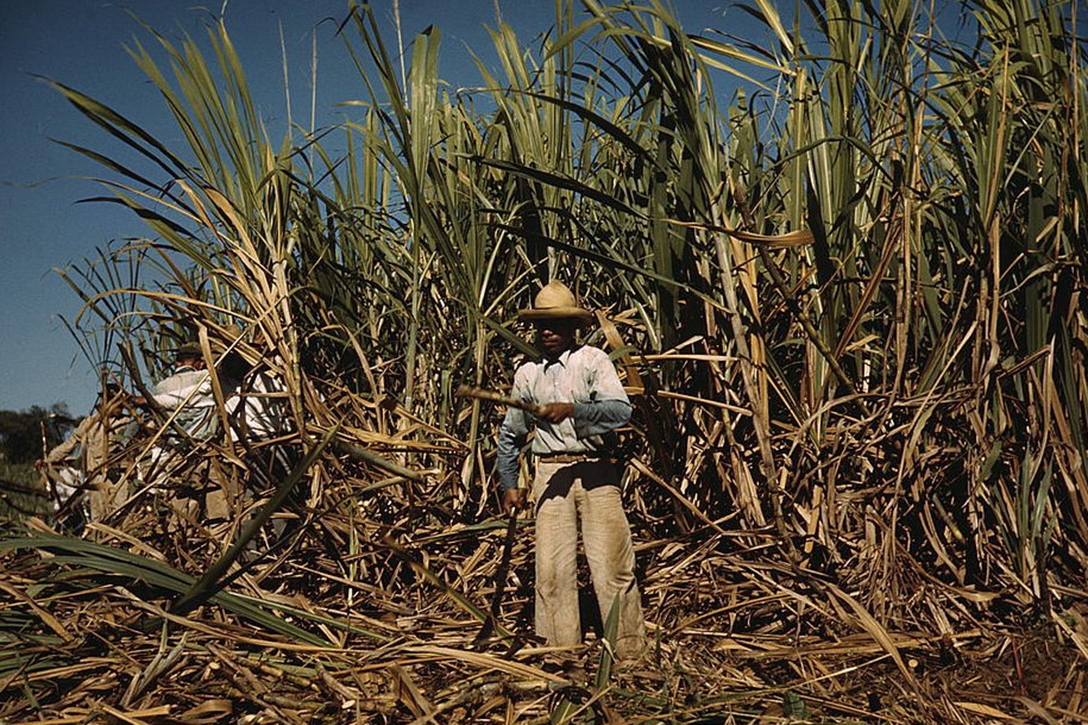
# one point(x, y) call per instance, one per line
point(25, 433)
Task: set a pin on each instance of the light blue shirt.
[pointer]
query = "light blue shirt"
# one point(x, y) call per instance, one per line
point(584, 376)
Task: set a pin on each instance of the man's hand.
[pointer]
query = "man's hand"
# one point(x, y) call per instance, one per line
point(557, 412)
point(512, 500)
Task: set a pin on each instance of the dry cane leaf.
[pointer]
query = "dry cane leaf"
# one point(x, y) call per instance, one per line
point(980, 709)
point(878, 632)
point(207, 712)
point(135, 717)
point(45, 616)
point(409, 692)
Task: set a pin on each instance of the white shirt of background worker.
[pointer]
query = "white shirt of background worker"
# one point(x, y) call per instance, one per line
point(186, 396)
point(576, 477)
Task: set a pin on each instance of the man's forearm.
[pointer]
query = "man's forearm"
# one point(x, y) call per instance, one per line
point(600, 416)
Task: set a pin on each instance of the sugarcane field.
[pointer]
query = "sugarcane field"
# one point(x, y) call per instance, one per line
point(580, 390)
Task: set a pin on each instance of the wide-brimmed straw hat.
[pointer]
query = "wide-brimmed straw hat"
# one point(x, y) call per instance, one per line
point(555, 302)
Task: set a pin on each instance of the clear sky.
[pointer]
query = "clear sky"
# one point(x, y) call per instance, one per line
point(79, 43)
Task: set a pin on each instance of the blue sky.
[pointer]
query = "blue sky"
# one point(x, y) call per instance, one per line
point(80, 43)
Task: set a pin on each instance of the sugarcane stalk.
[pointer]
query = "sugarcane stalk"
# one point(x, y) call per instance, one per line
point(468, 391)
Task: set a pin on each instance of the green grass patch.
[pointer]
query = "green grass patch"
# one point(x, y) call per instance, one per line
point(21, 492)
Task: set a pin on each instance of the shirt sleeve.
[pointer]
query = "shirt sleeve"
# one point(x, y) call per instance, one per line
point(512, 433)
point(608, 407)
point(600, 416)
point(65, 448)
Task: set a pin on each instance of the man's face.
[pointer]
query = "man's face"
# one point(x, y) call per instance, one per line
point(554, 336)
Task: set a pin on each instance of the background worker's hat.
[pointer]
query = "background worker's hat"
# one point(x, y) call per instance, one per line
point(218, 344)
point(188, 349)
point(555, 302)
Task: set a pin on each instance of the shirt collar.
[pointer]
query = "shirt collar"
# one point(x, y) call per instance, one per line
point(563, 358)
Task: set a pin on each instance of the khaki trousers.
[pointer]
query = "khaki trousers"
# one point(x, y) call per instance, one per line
point(589, 490)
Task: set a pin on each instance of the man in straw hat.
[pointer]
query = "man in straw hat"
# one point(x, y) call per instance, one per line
point(187, 395)
point(576, 477)
point(187, 398)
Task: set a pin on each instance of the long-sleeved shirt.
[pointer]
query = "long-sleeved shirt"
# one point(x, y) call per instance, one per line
point(189, 392)
point(582, 375)
point(263, 402)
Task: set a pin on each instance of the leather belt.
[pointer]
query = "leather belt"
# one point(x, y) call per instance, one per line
point(572, 457)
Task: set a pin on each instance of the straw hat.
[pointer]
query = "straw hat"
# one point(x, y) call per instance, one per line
point(189, 348)
point(218, 346)
point(555, 302)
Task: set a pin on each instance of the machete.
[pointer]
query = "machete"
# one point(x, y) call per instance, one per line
point(501, 574)
point(467, 391)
